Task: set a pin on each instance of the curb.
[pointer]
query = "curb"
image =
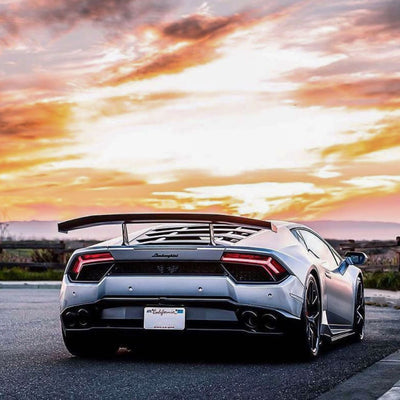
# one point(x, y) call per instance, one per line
point(30, 285)
point(378, 381)
point(382, 297)
point(393, 393)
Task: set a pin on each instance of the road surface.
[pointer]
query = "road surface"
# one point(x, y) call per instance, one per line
point(35, 365)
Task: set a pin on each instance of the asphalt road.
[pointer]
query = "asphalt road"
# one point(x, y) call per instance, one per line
point(35, 365)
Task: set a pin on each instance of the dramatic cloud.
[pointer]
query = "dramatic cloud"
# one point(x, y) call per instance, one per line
point(196, 27)
point(380, 22)
point(30, 134)
point(377, 139)
point(290, 200)
point(281, 109)
point(380, 93)
point(35, 121)
point(61, 16)
point(198, 37)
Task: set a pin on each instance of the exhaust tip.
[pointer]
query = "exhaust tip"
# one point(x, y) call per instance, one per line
point(70, 319)
point(249, 318)
point(269, 321)
point(83, 317)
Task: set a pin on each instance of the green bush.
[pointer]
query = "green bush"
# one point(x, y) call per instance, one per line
point(20, 274)
point(382, 280)
point(44, 255)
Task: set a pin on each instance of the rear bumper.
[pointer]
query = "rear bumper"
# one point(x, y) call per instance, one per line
point(286, 296)
point(122, 318)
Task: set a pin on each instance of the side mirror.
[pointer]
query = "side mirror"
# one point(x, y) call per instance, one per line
point(356, 257)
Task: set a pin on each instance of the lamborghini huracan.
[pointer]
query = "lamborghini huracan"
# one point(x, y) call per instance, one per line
point(192, 273)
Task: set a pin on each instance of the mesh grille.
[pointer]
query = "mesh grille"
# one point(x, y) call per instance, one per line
point(92, 272)
point(167, 268)
point(248, 273)
point(196, 234)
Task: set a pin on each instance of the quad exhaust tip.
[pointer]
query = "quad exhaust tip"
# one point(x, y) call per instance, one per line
point(73, 319)
point(269, 321)
point(249, 318)
point(254, 321)
point(70, 319)
point(83, 317)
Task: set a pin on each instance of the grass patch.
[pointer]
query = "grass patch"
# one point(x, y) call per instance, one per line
point(21, 274)
point(382, 280)
point(373, 303)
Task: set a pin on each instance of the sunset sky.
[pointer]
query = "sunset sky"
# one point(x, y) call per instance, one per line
point(271, 109)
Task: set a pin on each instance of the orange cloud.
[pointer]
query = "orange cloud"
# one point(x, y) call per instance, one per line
point(29, 134)
point(197, 27)
point(76, 179)
point(117, 105)
point(378, 139)
point(35, 121)
point(69, 192)
point(382, 93)
point(60, 16)
point(22, 162)
point(71, 50)
point(199, 36)
point(378, 23)
point(323, 199)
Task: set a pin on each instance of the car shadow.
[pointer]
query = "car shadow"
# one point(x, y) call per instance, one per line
point(213, 351)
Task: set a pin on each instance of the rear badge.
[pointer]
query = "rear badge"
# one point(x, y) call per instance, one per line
point(162, 255)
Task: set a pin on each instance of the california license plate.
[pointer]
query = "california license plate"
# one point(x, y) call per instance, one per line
point(168, 318)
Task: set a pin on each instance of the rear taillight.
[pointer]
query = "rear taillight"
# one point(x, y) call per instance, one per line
point(271, 267)
point(91, 267)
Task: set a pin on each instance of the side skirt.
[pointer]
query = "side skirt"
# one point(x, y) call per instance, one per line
point(343, 335)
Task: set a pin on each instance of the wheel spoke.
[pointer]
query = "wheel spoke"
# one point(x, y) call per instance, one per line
point(313, 318)
point(315, 299)
point(360, 317)
point(311, 338)
point(309, 295)
point(359, 314)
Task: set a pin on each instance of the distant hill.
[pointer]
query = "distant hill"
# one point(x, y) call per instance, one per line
point(48, 230)
point(343, 230)
point(357, 230)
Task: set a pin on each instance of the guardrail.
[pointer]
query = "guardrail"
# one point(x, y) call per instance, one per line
point(376, 262)
point(62, 249)
point(59, 250)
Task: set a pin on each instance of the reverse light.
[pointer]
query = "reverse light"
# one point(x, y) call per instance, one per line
point(270, 265)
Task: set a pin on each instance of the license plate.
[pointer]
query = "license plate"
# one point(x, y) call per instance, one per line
point(169, 318)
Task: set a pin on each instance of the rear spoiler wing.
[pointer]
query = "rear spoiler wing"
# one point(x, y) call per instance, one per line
point(132, 218)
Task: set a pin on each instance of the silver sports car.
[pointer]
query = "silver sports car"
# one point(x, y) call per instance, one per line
point(208, 273)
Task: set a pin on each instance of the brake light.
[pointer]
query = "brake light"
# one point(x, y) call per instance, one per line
point(88, 259)
point(273, 267)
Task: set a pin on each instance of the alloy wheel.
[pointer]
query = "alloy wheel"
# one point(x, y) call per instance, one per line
point(359, 315)
point(312, 316)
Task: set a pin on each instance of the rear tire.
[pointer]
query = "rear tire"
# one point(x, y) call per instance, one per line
point(89, 347)
point(359, 312)
point(309, 336)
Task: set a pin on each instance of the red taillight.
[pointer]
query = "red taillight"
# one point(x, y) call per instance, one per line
point(272, 266)
point(90, 258)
